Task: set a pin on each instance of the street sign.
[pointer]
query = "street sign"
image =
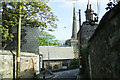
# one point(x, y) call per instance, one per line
point(68, 61)
point(18, 59)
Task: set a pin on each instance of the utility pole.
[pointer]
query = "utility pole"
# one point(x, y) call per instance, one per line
point(18, 43)
point(48, 55)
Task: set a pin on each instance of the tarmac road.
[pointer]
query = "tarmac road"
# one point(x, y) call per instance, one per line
point(66, 75)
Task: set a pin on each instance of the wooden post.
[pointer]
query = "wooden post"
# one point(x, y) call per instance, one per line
point(18, 43)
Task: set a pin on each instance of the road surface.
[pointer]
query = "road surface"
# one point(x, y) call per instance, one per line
point(67, 75)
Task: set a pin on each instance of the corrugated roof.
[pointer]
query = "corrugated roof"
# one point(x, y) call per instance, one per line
point(56, 52)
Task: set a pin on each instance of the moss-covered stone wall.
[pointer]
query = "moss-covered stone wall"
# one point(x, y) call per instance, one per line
point(104, 46)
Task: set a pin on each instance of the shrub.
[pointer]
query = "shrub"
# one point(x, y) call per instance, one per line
point(55, 67)
point(74, 63)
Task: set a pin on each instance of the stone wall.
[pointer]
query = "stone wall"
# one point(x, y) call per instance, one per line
point(29, 65)
point(104, 47)
point(74, 44)
point(87, 31)
point(53, 63)
point(58, 63)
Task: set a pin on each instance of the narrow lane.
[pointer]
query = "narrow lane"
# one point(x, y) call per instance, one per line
point(67, 75)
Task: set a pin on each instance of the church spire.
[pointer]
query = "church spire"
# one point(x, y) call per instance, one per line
point(74, 27)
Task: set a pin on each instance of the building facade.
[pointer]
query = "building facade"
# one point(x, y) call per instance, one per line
point(56, 57)
point(87, 27)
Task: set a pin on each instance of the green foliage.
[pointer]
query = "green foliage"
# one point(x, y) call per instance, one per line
point(84, 48)
point(110, 5)
point(34, 14)
point(68, 42)
point(6, 36)
point(45, 37)
point(74, 63)
point(84, 62)
point(55, 67)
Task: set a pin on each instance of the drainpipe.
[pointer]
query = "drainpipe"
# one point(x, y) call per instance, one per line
point(90, 67)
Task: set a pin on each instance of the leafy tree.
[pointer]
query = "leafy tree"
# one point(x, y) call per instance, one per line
point(45, 37)
point(68, 42)
point(110, 5)
point(34, 14)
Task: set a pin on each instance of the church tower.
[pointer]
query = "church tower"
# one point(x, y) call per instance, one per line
point(74, 41)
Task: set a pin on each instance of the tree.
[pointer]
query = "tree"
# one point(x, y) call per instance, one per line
point(45, 37)
point(111, 5)
point(68, 42)
point(34, 14)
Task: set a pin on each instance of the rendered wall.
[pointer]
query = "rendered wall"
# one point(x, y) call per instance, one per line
point(29, 64)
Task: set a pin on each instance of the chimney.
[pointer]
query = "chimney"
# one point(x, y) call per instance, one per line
point(87, 7)
point(89, 13)
point(90, 6)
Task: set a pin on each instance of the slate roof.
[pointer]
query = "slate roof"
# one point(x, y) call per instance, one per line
point(56, 53)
